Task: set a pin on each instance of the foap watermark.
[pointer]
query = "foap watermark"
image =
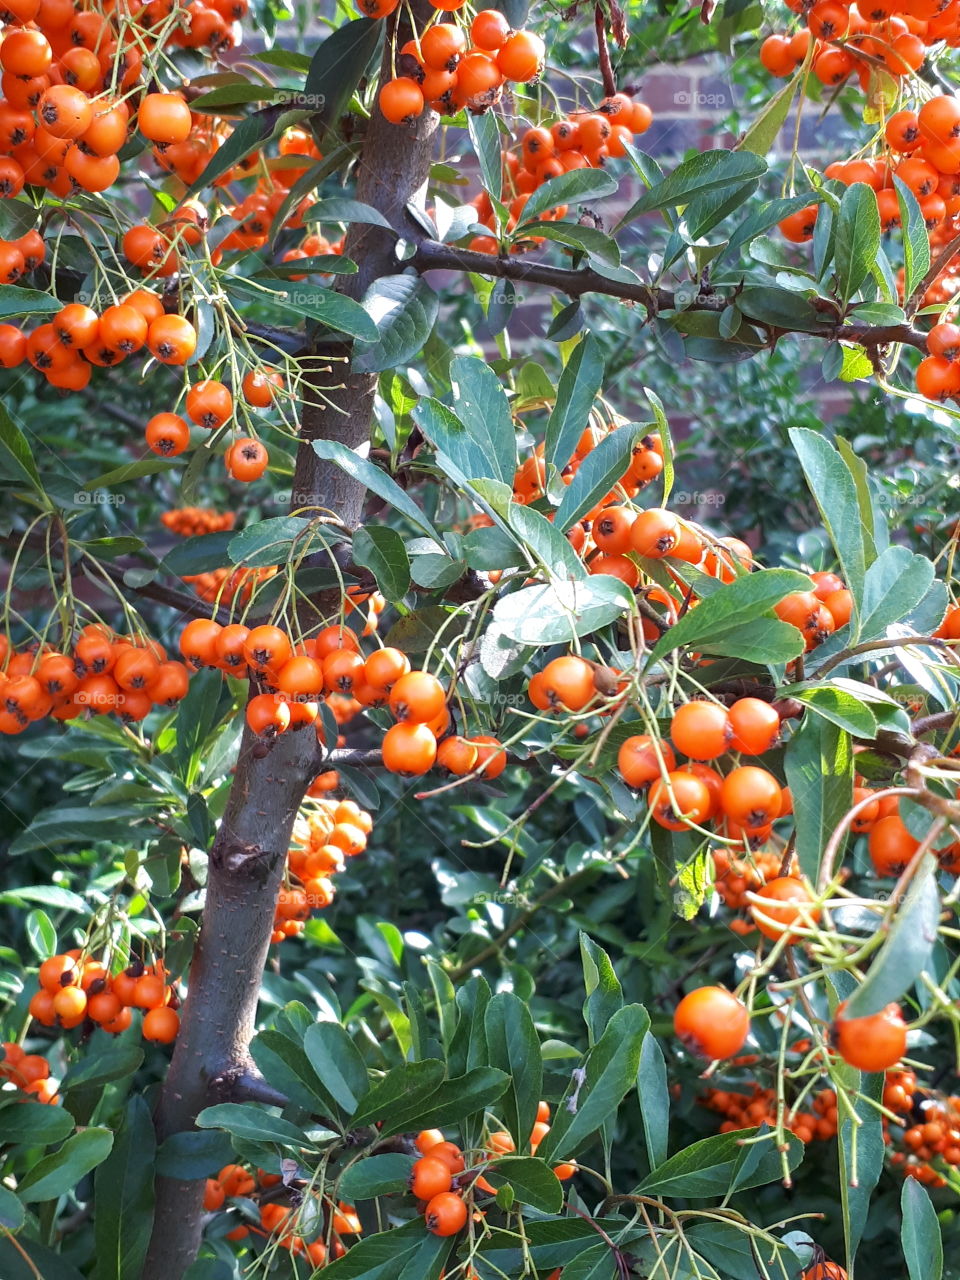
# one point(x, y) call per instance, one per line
point(501, 899)
point(698, 498)
point(98, 498)
point(306, 101)
point(694, 98)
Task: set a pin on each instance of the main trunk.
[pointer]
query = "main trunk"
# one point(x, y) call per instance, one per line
point(246, 862)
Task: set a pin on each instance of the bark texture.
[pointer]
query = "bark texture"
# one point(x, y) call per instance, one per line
point(247, 858)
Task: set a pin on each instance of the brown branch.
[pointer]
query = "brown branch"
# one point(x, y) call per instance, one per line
point(603, 52)
point(431, 255)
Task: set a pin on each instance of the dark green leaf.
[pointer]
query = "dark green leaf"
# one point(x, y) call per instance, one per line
point(480, 403)
point(249, 135)
point(920, 1233)
point(16, 302)
point(380, 549)
point(731, 614)
point(907, 949)
point(598, 1086)
point(404, 309)
point(577, 390)
point(337, 1062)
point(341, 209)
point(55, 827)
point(705, 1168)
point(12, 1212)
point(835, 493)
point(194, 1154)
point(485, 137)
point(604, 992)
point(253, 1124)
point(123, 1187)
point(780, 307)
point(531, 1180)
point(597, 474)
point(546, 542)
point(819, 769)
point(840, 707)
point(858, 238)
point(33, 1122)
point(336, 69)
point(376, 1176)
point(694, 176)
point(371, 477)
point(446, 1103)
point(554, 613)
point(861, 1158)
point(514, 1047)
point(577, 186)
point(56, 1174)
point(915, 238)
point(654, 1096)
point(762, 220)
point(15, 452)
point(106, 1064)
point(894, 585)
point(301, 299)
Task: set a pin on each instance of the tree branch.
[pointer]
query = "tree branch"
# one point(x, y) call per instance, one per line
point(431, 255)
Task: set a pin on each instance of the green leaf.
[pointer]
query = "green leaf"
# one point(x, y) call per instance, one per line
point(253, 1124)
point(666, 441)
point(249, 135)
point(194, 1154)
point(33, 1122)
point(400, 1085)
point(55, 827)
point(380, 549)
point(841, 708)
point(703, 172)
point(286, 1066)
point(555, 612)
point(599, 471)
point(436, 572)
point(17, 302)
point(835, 493)
point(387, 1255)
point(111, 1062)
point(336, 69)
point(598, 1262)
point(17, 217)
point(782, 308)
point(908, 947)
point(336, 1061)
point(588, 239)
point(765, 127)
point(604, 992)
point(321, 264)
point(577, 390)
point(546, 542)
point(894, 585)
point(404, 309)
point(870, 518)
point(577, 186)
point(654, 1096)
point(819, 768)
point(915, 238)
point(12, 1213)
point(762, 220)
point(56, 1174)
point(920, 1233)
point(39, 1261)
point(514, 1047)
point(381, 1175)
point(705, 1168)
point(201, 554)
point(371, 477)
point(301, 299)
point(480, 403)
point(273, 541)
point(485, 138)
point(15, 452)
point(468, 1047)
point(598, 1086)
point(123, 1189)
point(51, 895)
point(731, 617)
point(531, 1180)
point(447, 1102)
point(341, 209)
point(861, 1158)
point(858, 238)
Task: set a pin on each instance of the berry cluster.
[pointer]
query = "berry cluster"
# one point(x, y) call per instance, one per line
point(28, 1072)
point(451, 66)
point(76, 989)
point(223, 586)
point(325, 834)
point(191, 522)
point(294, 676)
point(102, 673)
point(234, 1182)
